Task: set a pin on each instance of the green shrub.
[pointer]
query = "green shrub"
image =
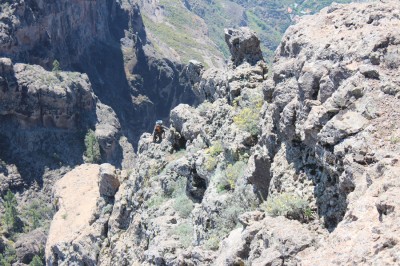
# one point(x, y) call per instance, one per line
point(216, 149)
point(36, 261)
point(9, 255)
point(289, 205)
point(155, 201)
point(183, 205)
point(56, 66)
point(211, 163)
point(185, 233)
point(230, 176)
point(92, 152)
point(212, 243)
point(10, 217)
point(248, 119)
point(37, 214)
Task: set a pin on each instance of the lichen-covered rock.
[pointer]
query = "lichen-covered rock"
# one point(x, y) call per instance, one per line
point(187, 121)
point(272, 241)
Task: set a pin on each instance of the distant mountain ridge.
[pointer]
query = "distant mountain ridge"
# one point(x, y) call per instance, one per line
point(269, 18)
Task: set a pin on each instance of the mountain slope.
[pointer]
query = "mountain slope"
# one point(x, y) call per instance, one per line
point(269, 19)
point(275, 168)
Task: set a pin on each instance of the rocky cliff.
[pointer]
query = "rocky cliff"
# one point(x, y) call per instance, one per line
point(68, 68)
point(106, 40)
point(293, 165)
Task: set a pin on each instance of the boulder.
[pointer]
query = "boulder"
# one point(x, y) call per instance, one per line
point(108, 180)
point(193, 71)
point(30, 244)
point(187, 121)
point(271, 241)
point(244, 45)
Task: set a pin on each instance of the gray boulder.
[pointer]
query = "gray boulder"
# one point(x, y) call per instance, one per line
point(108, 180)
point(30, 244)
point(244, 45)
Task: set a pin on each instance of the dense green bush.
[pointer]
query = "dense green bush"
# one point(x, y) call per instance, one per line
point(8, 256)
point(289, 205)
point(36, 261)
point(10, 217)
point(92, 152)
point(227, 180)
point(247, 119)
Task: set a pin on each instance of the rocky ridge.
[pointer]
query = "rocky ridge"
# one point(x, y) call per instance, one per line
point(320, 127)
point(325, 131)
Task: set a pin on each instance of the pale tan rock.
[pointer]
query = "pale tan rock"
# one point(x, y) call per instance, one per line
point(74, 233)
point(108, 180)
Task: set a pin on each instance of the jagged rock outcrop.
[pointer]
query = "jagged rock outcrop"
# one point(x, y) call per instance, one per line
point(248, 69)
point(244, 46)
point(9, 177)
point(322, 127)
point(41, 115)
point(326, 132)
point(35, 97)
point(327, 125)
point(177, 205)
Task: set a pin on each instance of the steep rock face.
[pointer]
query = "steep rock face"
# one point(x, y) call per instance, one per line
point(107, 41)
point(330, 125)
point(185, 194)
point(35, 97)
point(326, 132)
point(58, 33)
point(42, 116)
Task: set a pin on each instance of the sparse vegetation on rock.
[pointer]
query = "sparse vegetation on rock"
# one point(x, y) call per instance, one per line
point(289, 205)
point(293, 162)
point(36, 261)
point(10, 218)
point(92, 153)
